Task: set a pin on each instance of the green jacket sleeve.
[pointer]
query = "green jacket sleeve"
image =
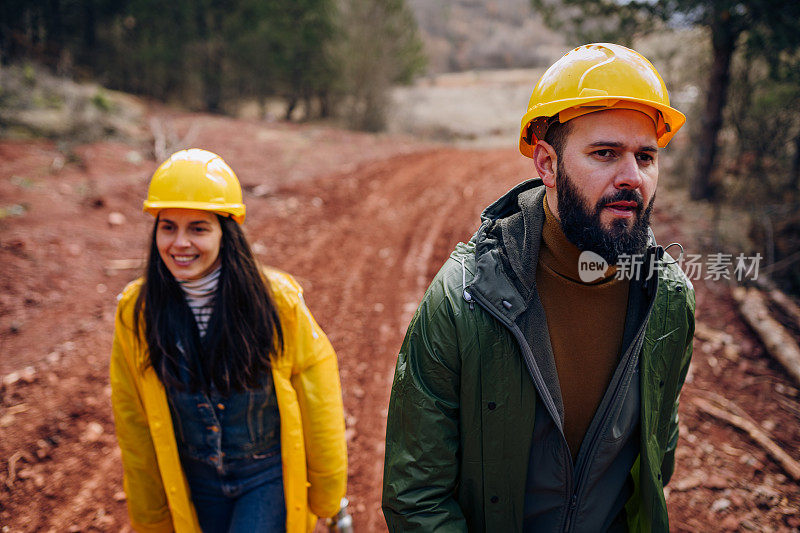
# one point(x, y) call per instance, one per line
point(668, 464)
point(422, 438)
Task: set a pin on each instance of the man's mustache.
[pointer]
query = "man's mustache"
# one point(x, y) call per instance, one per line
point(622, 195)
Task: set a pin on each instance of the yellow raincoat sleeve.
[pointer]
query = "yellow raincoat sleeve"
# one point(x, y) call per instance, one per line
point(147, 501)
point(315, 378)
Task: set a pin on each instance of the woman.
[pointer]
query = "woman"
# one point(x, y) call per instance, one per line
point(225, 390)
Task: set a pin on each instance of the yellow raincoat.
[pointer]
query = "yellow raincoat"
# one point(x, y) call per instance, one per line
point(309, 397)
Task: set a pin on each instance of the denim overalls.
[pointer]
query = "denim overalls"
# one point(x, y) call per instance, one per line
point(231, 455)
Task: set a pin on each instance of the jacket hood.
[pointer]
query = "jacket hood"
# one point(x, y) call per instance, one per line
point(507, 240)
point(508, 204)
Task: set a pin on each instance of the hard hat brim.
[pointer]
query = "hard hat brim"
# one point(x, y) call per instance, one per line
point(672, 117)
point(236, 211)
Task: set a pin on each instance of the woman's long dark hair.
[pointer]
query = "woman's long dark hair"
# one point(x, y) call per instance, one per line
point(243, 333)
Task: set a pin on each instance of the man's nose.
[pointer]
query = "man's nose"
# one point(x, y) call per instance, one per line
point(628, 173)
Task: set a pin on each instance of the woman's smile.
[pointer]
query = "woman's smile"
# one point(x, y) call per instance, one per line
point(184, 260)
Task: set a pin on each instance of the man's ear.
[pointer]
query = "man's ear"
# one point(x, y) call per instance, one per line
point(546, 162)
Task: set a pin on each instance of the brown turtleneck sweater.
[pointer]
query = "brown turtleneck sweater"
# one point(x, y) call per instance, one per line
point(586, 323)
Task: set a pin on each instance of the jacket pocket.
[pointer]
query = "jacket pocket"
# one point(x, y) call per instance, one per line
point(262, 415)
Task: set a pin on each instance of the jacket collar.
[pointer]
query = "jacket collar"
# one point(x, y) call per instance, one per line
point(501, 285)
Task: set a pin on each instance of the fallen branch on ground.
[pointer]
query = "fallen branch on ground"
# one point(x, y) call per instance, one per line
point(12, 466)
point(790, 406)
point(791, 466)
point(717, 340)
point(780, 344)
point(159, 139)
point(779, 298)
point(115, 265)
point(786, 304)
point(166, 141)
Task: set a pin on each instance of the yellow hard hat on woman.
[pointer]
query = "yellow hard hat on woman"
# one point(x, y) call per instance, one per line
point(596, 77)
point(196, 179)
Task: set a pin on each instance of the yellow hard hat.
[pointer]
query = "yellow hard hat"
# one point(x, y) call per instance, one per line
point(195, 179)
point(596, 77)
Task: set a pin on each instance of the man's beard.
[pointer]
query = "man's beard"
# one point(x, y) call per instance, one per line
point(584, 229)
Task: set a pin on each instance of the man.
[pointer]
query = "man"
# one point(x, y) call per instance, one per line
point(530, 393)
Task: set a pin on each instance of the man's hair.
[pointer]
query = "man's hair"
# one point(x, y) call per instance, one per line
point(556, 136)
point(244, 330)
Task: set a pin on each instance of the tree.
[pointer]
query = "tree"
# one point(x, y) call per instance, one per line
point(380, 47)
point(283, 48)
point(764, 113)
point(767, 28)
point(52, 31)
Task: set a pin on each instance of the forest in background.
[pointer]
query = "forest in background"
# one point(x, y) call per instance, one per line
point(320, 58)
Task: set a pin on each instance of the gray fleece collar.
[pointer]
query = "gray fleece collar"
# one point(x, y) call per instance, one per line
point(500, 276)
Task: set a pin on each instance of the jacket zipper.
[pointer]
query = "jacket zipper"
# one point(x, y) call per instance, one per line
point(633, 359)
point(573, 504)
point(544, 393)
point(635, 343)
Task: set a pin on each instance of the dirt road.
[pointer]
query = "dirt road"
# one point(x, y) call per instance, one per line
point(363, 222)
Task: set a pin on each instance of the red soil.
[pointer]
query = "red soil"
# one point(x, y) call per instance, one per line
point(363, 222)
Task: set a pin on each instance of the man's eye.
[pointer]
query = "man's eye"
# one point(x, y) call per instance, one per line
point(645, 157)
point(605, 153)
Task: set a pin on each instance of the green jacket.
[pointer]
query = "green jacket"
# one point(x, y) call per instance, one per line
point(462, 406)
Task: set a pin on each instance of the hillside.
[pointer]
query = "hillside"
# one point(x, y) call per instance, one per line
point(498, 34)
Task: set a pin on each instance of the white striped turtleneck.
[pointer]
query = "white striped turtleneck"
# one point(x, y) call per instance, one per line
point(200, 297)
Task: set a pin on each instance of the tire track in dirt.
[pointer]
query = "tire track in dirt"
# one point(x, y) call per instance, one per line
point(418, 259)
point(378, 235)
